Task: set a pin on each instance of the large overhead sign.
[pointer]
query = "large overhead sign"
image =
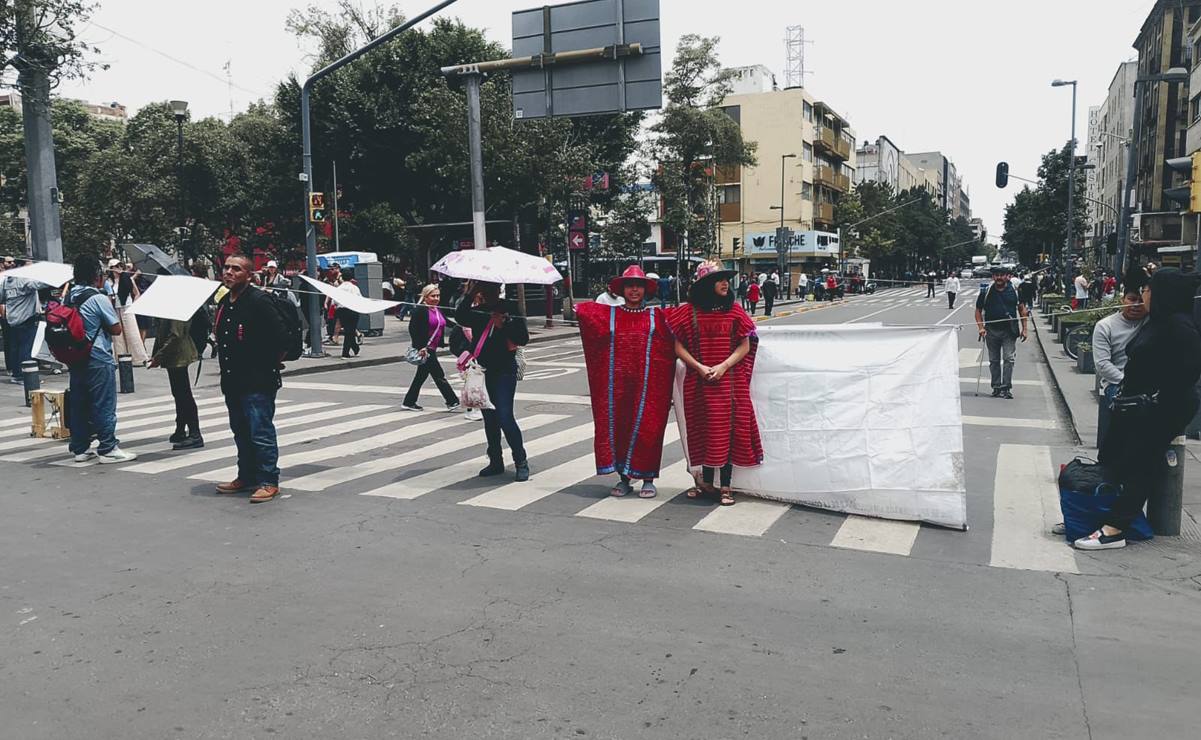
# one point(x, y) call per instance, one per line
point(622, 82)
point(816, 243)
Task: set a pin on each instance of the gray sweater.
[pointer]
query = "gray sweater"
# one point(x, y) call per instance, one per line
point(1110, 337)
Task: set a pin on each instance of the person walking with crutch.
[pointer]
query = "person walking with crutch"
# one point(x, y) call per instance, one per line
point(998, 314)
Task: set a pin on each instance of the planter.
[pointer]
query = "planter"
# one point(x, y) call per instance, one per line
point(1075, 336)
point(1055, 326)
point(1084, 360)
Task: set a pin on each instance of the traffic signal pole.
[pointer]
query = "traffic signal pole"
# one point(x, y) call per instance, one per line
point(310, 233)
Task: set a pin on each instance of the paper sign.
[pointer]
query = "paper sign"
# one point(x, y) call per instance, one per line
point(47, 273)
point(174, 297)
point(355, 301)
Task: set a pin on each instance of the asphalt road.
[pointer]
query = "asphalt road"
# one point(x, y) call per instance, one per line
point(374, 602)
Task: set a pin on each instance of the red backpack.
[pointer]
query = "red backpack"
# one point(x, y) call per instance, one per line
point(65, 335)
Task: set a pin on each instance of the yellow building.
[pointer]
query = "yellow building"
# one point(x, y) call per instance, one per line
point(804, 148)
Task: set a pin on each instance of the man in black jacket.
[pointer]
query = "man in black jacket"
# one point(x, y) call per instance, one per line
point(250, 341)
point(770, 289)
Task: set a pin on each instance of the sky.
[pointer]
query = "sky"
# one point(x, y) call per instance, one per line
point(969, 78)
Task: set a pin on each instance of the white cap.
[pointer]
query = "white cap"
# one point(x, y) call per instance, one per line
point(114, 262)
point(271, 263)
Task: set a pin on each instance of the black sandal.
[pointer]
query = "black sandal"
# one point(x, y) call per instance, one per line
point(727, 497)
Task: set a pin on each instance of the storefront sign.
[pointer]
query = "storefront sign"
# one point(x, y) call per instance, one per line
point(816, 243)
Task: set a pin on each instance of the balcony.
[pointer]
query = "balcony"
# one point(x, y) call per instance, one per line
point(830, 142)
point(823, 213)
point(827, 177)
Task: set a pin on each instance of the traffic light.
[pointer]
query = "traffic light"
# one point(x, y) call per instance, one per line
point(316, 208)
point(1188, 194)
point(1002, 174)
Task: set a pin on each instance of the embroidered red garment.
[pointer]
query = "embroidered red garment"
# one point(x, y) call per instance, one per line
point(630, 356)
point(719, 416)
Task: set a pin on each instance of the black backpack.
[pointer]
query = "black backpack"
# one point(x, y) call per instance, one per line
point(293, 340)
point(200, 326)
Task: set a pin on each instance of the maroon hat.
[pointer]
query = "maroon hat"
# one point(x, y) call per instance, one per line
point(633, 272)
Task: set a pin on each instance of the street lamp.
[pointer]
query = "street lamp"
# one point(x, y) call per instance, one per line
point(180, 110)
point(1173, 75)
point(781, 244)
point(1071, 175)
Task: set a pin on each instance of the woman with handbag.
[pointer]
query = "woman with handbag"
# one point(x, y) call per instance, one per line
point(1157, 399)
point(427, 327)
point(716, 339)
point(499, 332)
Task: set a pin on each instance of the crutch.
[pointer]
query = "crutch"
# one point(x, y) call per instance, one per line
point(980, 366)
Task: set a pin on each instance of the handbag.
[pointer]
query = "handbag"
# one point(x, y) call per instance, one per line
point(413, 356)
point(475, 388)
point(519, 358)
point(1087, 496)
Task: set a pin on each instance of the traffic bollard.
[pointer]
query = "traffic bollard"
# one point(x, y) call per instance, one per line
point(31, 378)
point(1165, 504)
point(125, 373)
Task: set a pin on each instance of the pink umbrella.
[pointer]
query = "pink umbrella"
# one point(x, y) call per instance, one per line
point(498, 265)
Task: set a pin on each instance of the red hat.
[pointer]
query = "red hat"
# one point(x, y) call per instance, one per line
point(633, 272)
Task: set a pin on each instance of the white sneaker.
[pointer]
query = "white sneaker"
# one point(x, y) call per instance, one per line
point(117, 455)
point(85, 456)
point(473, 415)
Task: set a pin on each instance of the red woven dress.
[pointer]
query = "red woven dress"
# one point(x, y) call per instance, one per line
point(631, 358)
point(719, 416)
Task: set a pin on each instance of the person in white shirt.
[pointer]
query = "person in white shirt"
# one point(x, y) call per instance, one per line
point(610, 299)
point(1080, 300)
point(802, 286)
point(952, 288)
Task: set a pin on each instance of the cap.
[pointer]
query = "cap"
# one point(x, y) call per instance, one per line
point(114, 262)
point(272, 263)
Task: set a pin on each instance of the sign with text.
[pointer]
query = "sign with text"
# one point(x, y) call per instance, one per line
point(816, 243)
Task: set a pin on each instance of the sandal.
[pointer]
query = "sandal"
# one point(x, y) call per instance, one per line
point(694, 492)
point(727, 497)
point(621, 489)
point(648, 490)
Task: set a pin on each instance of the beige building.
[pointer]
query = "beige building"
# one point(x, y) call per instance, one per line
point(819, 171)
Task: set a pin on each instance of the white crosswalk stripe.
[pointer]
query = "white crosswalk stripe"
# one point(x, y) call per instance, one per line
point(1025, 507)
point(750, 517)
point(876, 535)
point(124, 413)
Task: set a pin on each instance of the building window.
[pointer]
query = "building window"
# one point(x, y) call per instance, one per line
point(734, 112)
point(807, 191)
point(729, 194)
point(807, 152)
point(808, 112)
point(1195, 108)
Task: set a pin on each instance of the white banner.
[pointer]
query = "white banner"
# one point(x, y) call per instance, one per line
point(356, 301)
point(53, 274)
point(174, 297)
point(858, 419)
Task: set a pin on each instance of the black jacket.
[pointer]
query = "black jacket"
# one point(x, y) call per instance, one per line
point(419, 327)
point(496, 356)
point(250, 341)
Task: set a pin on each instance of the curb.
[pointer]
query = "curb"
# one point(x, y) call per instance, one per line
point(333, 365)
point(1059, 394)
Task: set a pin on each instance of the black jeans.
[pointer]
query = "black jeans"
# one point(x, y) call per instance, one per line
point(431, 368)
point(950, 300)
point(350, 331)
point(727, 472)
point(768, 302)
point(929, 290)
point(502, 387)
point(186, 414)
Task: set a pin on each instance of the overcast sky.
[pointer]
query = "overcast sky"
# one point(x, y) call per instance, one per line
point(971, 79)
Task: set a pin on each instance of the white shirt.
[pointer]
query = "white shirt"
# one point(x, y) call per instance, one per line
point(803, 280)
point(952, 284)
point(1081, 288)
point(762, 279)
point(608, 299)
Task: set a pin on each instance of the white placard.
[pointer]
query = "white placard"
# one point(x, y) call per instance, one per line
point(174, 297)
point(53, 274)
point(355, 301)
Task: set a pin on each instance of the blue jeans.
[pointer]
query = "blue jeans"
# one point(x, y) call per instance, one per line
point(21, 348)
point(252, 420)
point(502, 387)
point(92, 407)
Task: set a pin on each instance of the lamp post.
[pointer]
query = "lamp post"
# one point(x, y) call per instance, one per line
point(1067, 253)
point(1175, 74)
point(180, 109)
point(782, 247)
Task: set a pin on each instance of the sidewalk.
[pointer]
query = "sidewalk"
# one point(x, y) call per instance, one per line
point(1077, 393)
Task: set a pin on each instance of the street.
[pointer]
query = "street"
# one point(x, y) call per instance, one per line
point(391, 593)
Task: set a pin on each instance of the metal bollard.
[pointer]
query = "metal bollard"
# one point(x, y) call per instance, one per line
point(125, 373)
point(1165, 504)
point(31, 377)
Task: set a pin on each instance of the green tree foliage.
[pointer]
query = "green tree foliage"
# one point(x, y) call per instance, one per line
point(627, 224)
point(1036, 220)
point(44, 34)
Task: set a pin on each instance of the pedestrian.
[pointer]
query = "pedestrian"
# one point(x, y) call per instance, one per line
point(931, 278)
point(174, 351)
point(1080, 298)
point(1026, 294)
point(20, 308)
point(951, 286)
point(1109, 287)
point(832, 286)
point(499, 332)
point(998, 314)
point(129, 341)
point(664, 290)
point(348, 319)
point(142, 283)
point(608, 298)
point(93, 383)
point(802, 286)
point(1158, 398)
point(769, 293)
point(427, 329)
point(752, 296)
point(717, 341)
point(630, 355)
point(250, 344)
point(9, 354)
point(1111, 336)
point(741, 290)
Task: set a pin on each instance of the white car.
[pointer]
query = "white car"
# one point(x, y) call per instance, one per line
point(965, 273)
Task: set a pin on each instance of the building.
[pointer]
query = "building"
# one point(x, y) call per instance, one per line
point(815, 147)
point(978, 229)
point(883, 161)
point(1092, 183)
point(1163, 116)
point(1108, 152)
point(754, 79)
point(942, 179)
point(104, 111)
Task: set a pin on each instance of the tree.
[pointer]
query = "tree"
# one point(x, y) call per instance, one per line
point(50, 43)
point(1036, 221)
point(867, 229)
point(692, 138)
point(627, 224)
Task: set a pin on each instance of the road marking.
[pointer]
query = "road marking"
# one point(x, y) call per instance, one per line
point(956, 310)
point(971, 357)
point(123, 409)
point(750, 517)
point(673, 480)
point(123, 413)
point(868, 316)
point(1025, 506)
point(972, 381)
point(1001, 421)
point(434, 480)
point(876, 535)
point(322, 480)
point(391, 390)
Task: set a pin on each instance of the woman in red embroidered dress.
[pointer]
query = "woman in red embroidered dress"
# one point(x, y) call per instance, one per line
point(716, 339)
point(631, 362)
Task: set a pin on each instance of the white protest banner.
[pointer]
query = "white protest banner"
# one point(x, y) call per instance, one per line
point(52, 274)
point(858, 419)
point(355, 301)
point(174, 297)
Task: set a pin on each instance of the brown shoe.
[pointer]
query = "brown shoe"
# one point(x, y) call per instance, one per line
point(234, 486)
point(264, 494)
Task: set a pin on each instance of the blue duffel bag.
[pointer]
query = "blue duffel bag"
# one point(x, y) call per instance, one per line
point(1086, 497)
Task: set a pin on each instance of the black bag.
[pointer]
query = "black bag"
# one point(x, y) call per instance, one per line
point(292, 345)
point(200, 326)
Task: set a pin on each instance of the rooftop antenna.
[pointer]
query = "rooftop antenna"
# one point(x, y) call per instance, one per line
point(229, 81)
point(794, 44)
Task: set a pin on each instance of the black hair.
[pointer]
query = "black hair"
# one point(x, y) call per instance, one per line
point(124, 287)
point(85, 269)
point(707, 299)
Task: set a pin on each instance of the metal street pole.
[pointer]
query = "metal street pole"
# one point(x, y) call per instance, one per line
point(310, 234)
point(476, 146)
point(1067, 250)
point(179, 108)
point(337, 235)
point(45, 225)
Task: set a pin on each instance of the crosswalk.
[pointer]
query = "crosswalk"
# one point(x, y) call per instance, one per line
point(906, 297)
point(332, 445)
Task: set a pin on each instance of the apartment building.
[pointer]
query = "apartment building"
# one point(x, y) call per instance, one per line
point(1107, 151)
point(803, 145)
point(884, 162)
point(104, 111)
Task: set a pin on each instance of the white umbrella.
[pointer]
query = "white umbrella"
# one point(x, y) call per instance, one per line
point(498, 265)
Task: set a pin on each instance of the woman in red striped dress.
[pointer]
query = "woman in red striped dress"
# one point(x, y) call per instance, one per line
point(716, 340)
